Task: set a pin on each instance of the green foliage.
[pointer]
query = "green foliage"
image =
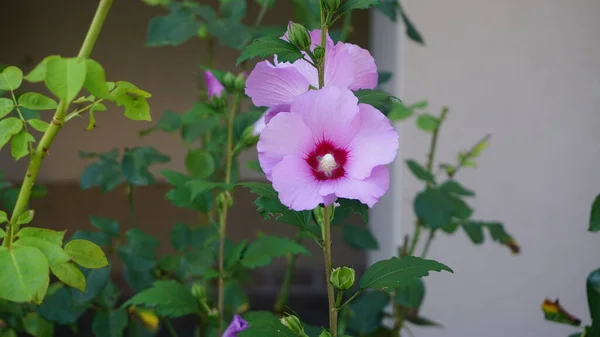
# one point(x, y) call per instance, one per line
point(11, 78)
point(199, 163)
point(65, 77)
point(134, 100)
point(266, 46)
point(139, 253)
point(106, 172)
point(20, 143)
point(6, 106)
point(86, 254)
point(265, 248)
point(108, 226)
point(24, 276)
point(110, 323)
point(378, 99)
point(95, 80)
point(357, 4)
point(427, 122)
point(168, 298)
point(185, 192)
point(69, 274)
point(436, 207)
point(412, 295)
point(9, 127)
point(61, 308)
point(595, 215)
point(173, 29)
point(36, 326)
point(391, 8)
point(136, 163)
point(593, 296)
point(263, 324)
point(360, 238)
point(35, 101)
point(398, 272)
point(474, 230)
point(420, 172)
point(367, 312)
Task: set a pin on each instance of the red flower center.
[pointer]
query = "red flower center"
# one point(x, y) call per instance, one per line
point(327, 161)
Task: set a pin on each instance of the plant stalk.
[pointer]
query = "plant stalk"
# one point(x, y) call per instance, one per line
point(36, 157)
point(131, 203)
point(284, 293)
point(428, 243)
point(225, 208)
point(328, 266)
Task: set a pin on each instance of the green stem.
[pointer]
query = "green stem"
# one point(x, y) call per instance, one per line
point(415, 238)
point(328, 267)
point(37, 156)
point(284, 293)
point(321, 64)
point(468, 155)
point(347, 27)
point(225, 208)
point(428, 243)
point(131, 203)
point(170, 327)
point(358, 292)
point(261, 14)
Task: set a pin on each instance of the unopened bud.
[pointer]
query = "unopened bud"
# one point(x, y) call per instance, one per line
point(240, 82)
point(293, 323)
point(224, 199)
point(203, 32)
point(331, 5)
point(319, 53)
point(342, 278)
point(199, 291)
point(229, 80)
point(299, 36)
point(249, 137)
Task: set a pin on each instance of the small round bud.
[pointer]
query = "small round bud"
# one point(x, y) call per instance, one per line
point(299, 36)
point(319, 52)
point(229, 80)
point(224, 199)
point(249, 137)
point(342, 278)
point(199, 291)
point(331, 5)
point(203, 32)
point(325, 333)
point(240, 82)
point(293, 323)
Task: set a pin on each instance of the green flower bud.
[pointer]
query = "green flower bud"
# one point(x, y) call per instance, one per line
point(199, 291)
point(331, 5)
point(319, 53)
point(203, 32)
point(229, 80)
point(240, 82)
point(342, 278)
point(299, 36)
point(224, 199)
point(249, 137)
point(325, 333)
point(293, 323)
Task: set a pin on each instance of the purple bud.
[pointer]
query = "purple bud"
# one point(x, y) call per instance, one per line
point(237, 325)
point(213, 86)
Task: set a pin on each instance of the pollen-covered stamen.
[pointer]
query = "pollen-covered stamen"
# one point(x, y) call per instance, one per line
point(327, 164)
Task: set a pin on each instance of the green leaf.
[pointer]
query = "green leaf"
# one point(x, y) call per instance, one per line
point(181, 236)
point(368, 312)
point(8, 128)
point(593, 295)
point(199, 186)
point(499, 234)
point(357, 4)
point(554, 312)
point(172, 29)
point(233, 9)
point(265, 248)
point(54, 237)
point(95, 80)
point(168, 298)
point(475, 232)
point(60, 308)
point(86, 254)
point(96, 281)
point(384, 77)
point(427, 122)
point(35, 101)
point(6, 106)
point(360, 238)
point(411, 30)
point(106, 172)
point(24, 272)
point(101, 239)
point(235, 255)
point(395, 273)
point(11, 78)
point(264, 324)
point(378, 99)
point(420, 172)
point(453, 186)
point(25, 217)
point(434, 207)
point(108, 226)
point(3, 217)
point(400, 112)
point(269, 206)
point(423, 321)
point(412, 295)
point(109, 295)
point(54, 253)
point(140, 251)
point(37, 326)
point(69, 274)
point(65, 77)
point(266, 46)
point(199, 163)
point(136, 163)
point(38, 124)
point(595, 215)
point(38, 74)
point(19, 144)
point(235, 298)
point(110, 323)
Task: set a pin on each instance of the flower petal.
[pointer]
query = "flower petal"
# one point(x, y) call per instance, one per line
point(338, 67)
point(315, 37)
point(268, 85)
point(296, 185)
point(213, 86)
point(260, 124)
point(368, 190)
point(286, 134)
point(365, 69)
point(375, 143)
point(331, 114)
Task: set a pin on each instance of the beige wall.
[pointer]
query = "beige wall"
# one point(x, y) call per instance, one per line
point(528, 72)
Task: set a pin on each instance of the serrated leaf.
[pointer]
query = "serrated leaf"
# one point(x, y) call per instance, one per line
point(24, 272)
point(420, 172)
point(69, 274)
point(95, 80)
point(357, 4)
point(86, 254)
point(168, 298)
point(139, 253)
point(38, 124)
point(394, 273)
point(360, 238)
point(65, 77)
point(6, 106)
point(136, 163)
point(11, 78)
point(265, 248)
point(35, 101)
point(266, 46)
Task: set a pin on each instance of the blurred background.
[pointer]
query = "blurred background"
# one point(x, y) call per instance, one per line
point(528, 72)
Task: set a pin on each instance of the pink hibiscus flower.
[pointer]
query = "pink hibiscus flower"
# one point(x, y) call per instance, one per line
point(327, 147)
point(277, 85)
